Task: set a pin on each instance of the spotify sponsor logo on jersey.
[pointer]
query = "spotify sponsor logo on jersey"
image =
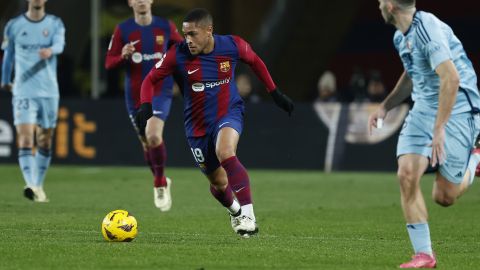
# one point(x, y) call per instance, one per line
point(138, 57)
point(199, 87)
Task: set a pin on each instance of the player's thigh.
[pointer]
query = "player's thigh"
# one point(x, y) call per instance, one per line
point(411, 167)
point(47, 112)
point(460, 134)
point(444, 189)
point(416, 135)
point(227, 134)
point(226, 144)
point(203, 151)
point(25, 111)
point(162, 103)
point(154, 127)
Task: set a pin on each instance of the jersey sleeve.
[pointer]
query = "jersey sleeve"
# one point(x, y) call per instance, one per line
point(161, 70)
point(58, 43)
point(434, 42)
point(248, 56)
point(8, 47)
point(175, 37)
point(114, 52)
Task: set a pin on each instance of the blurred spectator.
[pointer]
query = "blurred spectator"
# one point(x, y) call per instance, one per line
point(376, 89)
point(327, 87)
point(358, 85)
point(244, 85)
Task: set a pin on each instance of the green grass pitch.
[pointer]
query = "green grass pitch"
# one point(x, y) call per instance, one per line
point(308, 220)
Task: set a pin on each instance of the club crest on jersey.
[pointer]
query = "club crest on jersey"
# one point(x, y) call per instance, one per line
point(224, 66)
point(45, 32)
point(159, 39)
point(409, 45)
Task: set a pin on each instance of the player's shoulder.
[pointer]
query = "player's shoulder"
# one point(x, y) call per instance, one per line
point(15, 20)
point(426, 19)
point(160, 21)
point(127, 23)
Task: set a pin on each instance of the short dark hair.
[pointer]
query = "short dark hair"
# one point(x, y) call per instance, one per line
point(406, 3)
point(199, 16)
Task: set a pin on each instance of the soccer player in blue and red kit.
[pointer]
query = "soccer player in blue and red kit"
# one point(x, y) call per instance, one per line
point(213, 108)
point(137, 44)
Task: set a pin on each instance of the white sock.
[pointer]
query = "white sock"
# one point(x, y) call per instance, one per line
point(247, 210)
point(233, 209)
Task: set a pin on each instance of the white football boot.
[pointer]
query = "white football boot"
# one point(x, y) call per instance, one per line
point(39, 195)
point(162, 197)
point(243, 225)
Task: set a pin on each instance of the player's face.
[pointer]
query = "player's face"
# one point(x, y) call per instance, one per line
point(196, 36)
point(386, 7)
point(140, 6)
point(37, 4)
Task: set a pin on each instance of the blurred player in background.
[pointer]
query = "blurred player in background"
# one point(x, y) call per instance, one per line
point(32, 41)
point(213, 108)
point(138, 43)
point(443, 124)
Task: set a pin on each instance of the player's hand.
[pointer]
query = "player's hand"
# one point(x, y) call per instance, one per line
point(143, 114)
point(128, 50)
point(380, 113)
point(7, 87)
point(438, 147)
point(282, 101)
point(45, 53)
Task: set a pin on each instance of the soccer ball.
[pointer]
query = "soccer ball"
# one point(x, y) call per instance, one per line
point(119, 226)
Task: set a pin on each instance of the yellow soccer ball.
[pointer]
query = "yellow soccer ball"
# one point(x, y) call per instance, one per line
point(119, 226)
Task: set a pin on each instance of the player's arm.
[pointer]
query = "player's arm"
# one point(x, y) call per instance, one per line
point(8, 47)
point(449, 84)
point(248, 56)
point(162, 69)
point(175, 37)
point(400, 92)
point(114, 56)
point(58, 42)
point(435, 47)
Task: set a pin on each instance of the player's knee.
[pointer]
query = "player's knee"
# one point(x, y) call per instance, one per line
point(443, 199)
point(25, 141)
point(44, 142)
point(406, 176)
point(225, 153)
point(154, 139)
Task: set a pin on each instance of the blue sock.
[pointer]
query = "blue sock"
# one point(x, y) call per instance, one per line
point(472, 166)
point(420, 237)
point(27, 165)
point(42, 158)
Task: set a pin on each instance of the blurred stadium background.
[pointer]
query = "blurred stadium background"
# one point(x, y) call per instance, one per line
point(299, 40)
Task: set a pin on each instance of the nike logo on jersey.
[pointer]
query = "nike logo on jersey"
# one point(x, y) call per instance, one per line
point(192, 71)
point(157, 112)
point(222, 124)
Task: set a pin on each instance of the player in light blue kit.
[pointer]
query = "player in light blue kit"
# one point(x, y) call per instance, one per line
point(443, 124)
point(32, 41)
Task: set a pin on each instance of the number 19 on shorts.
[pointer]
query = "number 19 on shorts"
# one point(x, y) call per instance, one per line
point(198, 155)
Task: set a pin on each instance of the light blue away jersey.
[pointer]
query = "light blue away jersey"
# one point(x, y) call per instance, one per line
point(426, 44)
point(22, 41)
